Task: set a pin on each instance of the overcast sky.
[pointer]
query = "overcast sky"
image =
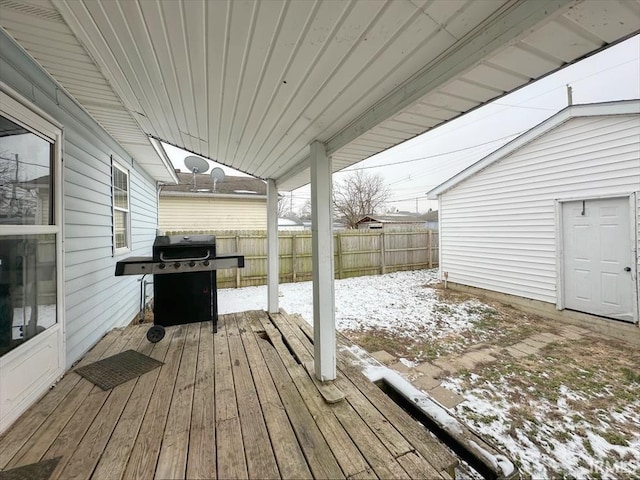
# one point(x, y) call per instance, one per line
point(418, 165)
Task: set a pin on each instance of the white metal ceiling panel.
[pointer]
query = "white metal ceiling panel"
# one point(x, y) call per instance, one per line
point(252, 83)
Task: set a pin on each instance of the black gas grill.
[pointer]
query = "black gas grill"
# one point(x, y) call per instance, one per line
point(184, 283)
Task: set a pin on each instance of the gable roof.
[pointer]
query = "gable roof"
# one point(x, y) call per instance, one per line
point(237, 186)
point(392, 219)
point(625, 107)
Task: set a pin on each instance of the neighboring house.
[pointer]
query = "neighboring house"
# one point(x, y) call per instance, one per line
point(72, 202)
point(391, 221)
point(237, 203)
point(290, 223)
point(431, 219)
point(554, 215)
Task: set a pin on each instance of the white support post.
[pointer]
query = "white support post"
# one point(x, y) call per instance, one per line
point(272, 246)
point(322, 257)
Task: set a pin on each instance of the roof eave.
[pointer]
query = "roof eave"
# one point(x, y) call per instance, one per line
point(625, 107)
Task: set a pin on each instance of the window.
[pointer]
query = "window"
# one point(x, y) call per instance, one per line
point(121, 226)
point(29, 244)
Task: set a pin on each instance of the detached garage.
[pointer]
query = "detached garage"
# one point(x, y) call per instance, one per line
point(554, 215)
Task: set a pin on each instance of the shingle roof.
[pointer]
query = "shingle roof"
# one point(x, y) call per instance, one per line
point(232, 185)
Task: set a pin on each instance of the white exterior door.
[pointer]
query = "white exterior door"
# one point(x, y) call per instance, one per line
point(598, 257)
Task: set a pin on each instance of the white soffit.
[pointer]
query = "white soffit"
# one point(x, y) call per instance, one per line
point(251, 84)
point(41, 31)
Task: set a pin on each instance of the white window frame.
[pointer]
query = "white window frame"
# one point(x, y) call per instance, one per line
point(126, 249)
point(25, 113)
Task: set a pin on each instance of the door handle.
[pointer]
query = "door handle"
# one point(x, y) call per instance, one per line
point(627, 269)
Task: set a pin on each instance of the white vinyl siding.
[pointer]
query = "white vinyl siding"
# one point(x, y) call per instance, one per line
point(95, 300)
point(498, 227)
point(212, 213)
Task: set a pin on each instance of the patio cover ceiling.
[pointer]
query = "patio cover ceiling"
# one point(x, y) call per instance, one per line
point(251, 84)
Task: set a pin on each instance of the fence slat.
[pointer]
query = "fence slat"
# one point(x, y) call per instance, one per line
point(358, 252)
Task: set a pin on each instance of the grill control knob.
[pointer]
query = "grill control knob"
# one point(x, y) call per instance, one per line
point(192, 264)
point(206, 263)
point(176, 265)
point(161, 266)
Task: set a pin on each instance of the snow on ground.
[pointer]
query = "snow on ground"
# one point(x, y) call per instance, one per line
point(395, 302)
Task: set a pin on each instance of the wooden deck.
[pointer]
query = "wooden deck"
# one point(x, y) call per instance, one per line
point(237, 404)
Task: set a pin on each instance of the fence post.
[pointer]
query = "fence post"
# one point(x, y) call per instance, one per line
point(238, 269)
point(429, 249)
point(383, 266)
point(293, 257)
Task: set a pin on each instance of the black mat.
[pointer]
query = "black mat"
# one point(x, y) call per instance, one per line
point(34, 471)
point(120, 368)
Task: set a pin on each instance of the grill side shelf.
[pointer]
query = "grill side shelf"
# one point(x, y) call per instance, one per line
point(146, 265)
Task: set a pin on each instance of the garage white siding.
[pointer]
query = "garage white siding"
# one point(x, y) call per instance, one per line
point(498, 227)
point(212, 213)
point(95, 300)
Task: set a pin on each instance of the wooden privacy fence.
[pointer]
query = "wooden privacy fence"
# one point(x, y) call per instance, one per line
point(356, 253)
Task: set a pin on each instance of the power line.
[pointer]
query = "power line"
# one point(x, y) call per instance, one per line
point(400, 162)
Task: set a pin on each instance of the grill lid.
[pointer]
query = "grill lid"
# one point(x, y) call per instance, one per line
point(180, 241)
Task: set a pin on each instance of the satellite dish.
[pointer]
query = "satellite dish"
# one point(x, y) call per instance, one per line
point(217, 176)
point(196, 165)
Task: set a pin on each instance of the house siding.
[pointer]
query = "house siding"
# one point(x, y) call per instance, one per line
point(498, 227)
point(95, 300)
point(211, 213)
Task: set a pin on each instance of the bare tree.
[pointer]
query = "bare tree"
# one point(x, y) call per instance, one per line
point(359, 195)
point(284, 206)
point(304, 213)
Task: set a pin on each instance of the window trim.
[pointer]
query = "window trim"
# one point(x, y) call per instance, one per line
point(24, 112)
point(126, 249)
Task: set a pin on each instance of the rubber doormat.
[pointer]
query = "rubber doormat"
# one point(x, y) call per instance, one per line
point(122, 367)
point(34, 471)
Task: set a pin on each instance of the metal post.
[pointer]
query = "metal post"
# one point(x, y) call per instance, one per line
point(272, 246)
point(322, 248)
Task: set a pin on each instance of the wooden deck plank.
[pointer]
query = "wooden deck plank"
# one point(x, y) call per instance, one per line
point(172, 460)
point(65, 427)
point(201, 462)
point(81, 463)
point(231, 459)
point(373, 445)
point(113, 461)
point(24, 427)
point(344, 450)
point(84, 427)
point(261, 461)
point(329, 391)
point(289, 456)
point(238, 404)
point(388, 434)
point(376, 454)
point(144, 455)
point(393, 426)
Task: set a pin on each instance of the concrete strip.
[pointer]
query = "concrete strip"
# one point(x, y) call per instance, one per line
point(516, 353)
point(429, 370)
point(446, 397)
point(384, 357)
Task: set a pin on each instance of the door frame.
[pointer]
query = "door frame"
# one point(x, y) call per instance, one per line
point(22, 111)
point(633, 232)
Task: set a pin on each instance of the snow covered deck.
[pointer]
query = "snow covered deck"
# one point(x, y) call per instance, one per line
point(238, 404)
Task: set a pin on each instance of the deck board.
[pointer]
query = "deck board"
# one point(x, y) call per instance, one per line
point(237, 404)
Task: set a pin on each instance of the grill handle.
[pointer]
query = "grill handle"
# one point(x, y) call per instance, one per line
point(182, 259)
